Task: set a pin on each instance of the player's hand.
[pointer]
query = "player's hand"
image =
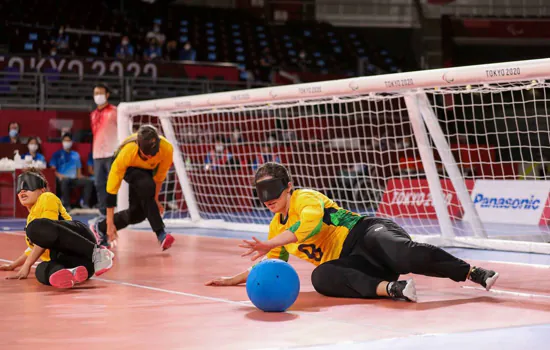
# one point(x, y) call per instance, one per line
point(21, 274)
point(256, 246)
point(222, 281)
point(161, 208)
point(112, 234)
point(7, 267)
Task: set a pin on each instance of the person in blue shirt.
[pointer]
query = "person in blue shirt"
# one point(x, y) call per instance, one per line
point(68, 172)
point(13, 134)
point(34, 150)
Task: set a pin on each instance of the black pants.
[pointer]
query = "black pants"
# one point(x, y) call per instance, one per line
point(71, 244)
point(379, 250)
point(102, 166)
point(142, 202)
point(66, 186)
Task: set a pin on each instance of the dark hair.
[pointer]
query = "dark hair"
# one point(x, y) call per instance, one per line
point(38, 173)
point(274, 170)
point(37, 141)
point(147, 138)
point(18, 126)
point(67, 134)
point(103, 86)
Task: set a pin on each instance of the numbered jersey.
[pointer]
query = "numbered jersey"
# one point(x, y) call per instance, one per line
point(320, 225)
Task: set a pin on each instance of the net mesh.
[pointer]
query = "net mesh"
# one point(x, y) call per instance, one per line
point(361, 152)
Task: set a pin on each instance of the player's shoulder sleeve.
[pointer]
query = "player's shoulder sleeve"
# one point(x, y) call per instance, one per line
point(310, 208)
point(121, 163)
point(167, 158)
point(48, 205)
point(274, 230)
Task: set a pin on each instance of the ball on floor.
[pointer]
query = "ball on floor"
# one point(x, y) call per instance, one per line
point(273, 285)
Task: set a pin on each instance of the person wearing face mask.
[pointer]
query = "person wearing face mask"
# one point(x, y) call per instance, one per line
point(34, 150)
point(13, 134)
point(125, 50)
point(156, 35)
point(68, 173)
point(104, 130)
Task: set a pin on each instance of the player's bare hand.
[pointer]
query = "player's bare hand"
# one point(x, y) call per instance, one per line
point(256, 248)
point(22, 274)
point(161, 208)
point(7, 267)
point(112, 234)
point(222, 281)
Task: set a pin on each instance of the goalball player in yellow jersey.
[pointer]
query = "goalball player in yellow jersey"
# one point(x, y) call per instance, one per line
point(68, 250)
point(143, 160)
point(356, 256)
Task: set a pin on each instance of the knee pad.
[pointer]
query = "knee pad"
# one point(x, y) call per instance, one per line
point(41, 273)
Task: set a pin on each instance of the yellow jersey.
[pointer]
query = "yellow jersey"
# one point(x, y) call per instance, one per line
point(48, 206)
point(127, 156)
point(320, 225)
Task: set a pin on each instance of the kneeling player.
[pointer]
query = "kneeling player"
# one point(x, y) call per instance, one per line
point(67, 248)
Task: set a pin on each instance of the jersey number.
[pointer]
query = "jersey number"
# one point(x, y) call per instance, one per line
point(311, 251)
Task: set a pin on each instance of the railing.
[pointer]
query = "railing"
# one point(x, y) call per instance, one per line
point(68, 91)
point(401, 13)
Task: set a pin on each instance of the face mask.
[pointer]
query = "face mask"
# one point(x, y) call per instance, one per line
point(53, 53)
point(187, 47)
point(67, 145)
point(157, 29)
point(14, 132)
point(100, 99)
point(124, 42)
point(33, 148)
point(236, 135)
point(219, 148)
point(302, 55)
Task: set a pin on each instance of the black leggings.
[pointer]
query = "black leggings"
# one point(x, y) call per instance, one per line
point(379, 250)
point(142, 202)
point(71, 244)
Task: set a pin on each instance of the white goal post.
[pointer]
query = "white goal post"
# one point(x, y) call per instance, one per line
point(458, 156)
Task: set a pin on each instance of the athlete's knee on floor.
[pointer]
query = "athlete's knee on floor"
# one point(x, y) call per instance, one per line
point(323, 278)
point(41, 273)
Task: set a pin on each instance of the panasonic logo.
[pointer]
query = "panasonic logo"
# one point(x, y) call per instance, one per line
point(507, 202)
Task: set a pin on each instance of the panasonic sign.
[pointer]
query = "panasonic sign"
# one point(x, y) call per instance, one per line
point(510, 201)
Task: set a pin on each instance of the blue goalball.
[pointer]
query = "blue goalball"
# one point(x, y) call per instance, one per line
point(273, 285)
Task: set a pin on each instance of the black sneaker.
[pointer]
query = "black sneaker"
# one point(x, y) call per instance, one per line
point(403, 290)
point(484, 277)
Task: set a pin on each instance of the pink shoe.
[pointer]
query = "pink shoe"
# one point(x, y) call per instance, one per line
point(67, 278)
point(167, 242)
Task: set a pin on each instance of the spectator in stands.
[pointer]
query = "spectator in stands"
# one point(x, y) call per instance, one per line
point(156, 34)
point(236, 136)
point(104, 130)
point(171, 53)
point(266, 155)
point(34, 150)
point(60, 42)
point(266, 66)
point(125, 50)
point(218, 157)
point(303, 61)
point(187, 53)
point(13, 134)
point(68, 172)
point(153, 52)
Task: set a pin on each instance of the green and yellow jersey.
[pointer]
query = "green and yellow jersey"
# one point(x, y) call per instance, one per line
point(48, 206)
point(127, 156)
point(320, 225)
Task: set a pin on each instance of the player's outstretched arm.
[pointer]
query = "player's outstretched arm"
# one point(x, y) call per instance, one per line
point(229, 281)
point(18, 262)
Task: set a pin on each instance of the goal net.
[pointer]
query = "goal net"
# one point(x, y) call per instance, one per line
point(458, 157)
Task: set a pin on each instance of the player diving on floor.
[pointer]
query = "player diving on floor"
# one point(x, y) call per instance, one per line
point(355, 256)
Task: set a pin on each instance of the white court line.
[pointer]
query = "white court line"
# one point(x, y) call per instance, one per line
point(540, 266)
point(168, 291)
point(508, 292)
